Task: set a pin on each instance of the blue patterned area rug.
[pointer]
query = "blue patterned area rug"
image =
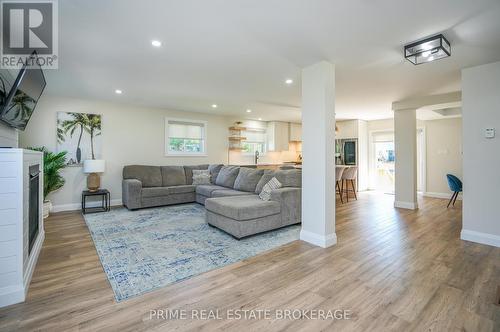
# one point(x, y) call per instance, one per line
point(147, 249)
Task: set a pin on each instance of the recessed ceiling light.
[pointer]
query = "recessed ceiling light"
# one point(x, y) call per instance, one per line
point(289, 81)
point(214, 105)
point(156, 43)
point(249, 111)
point(118, 91)
point(260, 119)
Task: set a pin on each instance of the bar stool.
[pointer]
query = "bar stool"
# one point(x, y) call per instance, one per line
point(349, 176)
point(338, 178)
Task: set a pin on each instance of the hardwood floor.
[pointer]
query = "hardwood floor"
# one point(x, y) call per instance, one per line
point(393, 269)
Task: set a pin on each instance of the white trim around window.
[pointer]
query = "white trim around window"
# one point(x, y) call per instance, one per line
point(187, 130)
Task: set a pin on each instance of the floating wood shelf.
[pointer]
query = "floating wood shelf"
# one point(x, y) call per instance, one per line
point(235, 137)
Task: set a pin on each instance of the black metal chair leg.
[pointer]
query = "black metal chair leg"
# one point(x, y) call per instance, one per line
point(455, 198)
point(451, 199)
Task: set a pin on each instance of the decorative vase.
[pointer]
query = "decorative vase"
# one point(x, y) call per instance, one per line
point(47, 206)
point(93, 182)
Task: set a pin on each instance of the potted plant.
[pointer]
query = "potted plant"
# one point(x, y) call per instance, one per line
point(53, 163)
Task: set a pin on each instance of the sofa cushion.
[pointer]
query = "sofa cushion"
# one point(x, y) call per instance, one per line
point(154, 192)
point(227, 175)
point(173, 176)
point(188, 188)
point(266, 177)
point(207, 189)
point(150, 176)
point(247, 179)
point(214, 170)
point(242, 208)
point(189, 172)
point(289, 177)
point(228, 192)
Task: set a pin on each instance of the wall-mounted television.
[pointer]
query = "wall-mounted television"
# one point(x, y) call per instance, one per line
point(20, 102)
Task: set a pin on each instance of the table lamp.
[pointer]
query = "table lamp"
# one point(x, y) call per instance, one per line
point(92, 168)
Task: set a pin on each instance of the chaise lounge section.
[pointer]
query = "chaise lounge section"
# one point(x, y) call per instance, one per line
point(231, 199)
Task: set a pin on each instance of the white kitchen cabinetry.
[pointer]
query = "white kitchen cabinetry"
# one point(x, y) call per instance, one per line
point(295, 132)
point(278, 136)
point(347, 129)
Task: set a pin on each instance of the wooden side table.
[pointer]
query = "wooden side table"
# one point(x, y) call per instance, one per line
point(105, 201)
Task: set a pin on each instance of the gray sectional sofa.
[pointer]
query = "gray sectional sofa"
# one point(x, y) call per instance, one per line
point(231, 200)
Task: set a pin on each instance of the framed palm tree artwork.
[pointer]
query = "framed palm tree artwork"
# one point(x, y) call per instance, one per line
point(80, 135)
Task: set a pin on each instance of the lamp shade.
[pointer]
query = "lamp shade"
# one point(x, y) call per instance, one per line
point(93, 166)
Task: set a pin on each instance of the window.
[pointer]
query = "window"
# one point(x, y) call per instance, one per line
point(255, 141)
point(185, 137)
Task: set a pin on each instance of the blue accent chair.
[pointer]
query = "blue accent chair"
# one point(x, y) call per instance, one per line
point(455, 185)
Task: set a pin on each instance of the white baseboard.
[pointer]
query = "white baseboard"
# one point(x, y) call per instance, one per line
point(11, 295)
point(441, 195)
point(323, 241)
point(78, 206)
point(478, 237)
point(406, 205)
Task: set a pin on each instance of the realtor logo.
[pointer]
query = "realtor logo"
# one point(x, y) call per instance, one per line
point(29, 26)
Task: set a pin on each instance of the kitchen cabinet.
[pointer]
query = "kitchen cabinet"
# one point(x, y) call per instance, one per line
point(295, 132)
point(278, 136)
point(347, 129)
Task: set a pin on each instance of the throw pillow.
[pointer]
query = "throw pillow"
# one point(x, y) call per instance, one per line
point(214, 170)
point(189, 172)
point(201, 177)
point(273, 184)
point(247, 179)
point(227, 175)
point(268, 175)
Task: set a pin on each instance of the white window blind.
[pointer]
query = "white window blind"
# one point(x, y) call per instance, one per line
point(256, 136)
point(255, 141)
point(383, 136)
point(179, 129)
point(185, 137)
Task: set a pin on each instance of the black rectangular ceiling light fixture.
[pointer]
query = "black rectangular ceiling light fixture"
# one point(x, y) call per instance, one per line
point(427, 50)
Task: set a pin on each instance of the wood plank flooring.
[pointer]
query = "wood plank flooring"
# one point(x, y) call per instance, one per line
point(395, 270)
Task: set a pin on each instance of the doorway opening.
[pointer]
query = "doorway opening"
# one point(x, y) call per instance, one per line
point(382, 162)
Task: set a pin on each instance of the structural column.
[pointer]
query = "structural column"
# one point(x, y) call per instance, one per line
point(405, 149)
point(318, 150)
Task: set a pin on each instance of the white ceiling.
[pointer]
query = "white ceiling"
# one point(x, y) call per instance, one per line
point(238, 53)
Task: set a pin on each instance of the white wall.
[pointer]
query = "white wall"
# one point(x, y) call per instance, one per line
point(443, 151)
point(363, 145)
point(481, 165)
point(443, 154)
point(8, 136)
point(130, 135)
point(405, 151)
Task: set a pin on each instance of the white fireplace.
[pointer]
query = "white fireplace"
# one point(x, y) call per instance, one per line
point(21, 222)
